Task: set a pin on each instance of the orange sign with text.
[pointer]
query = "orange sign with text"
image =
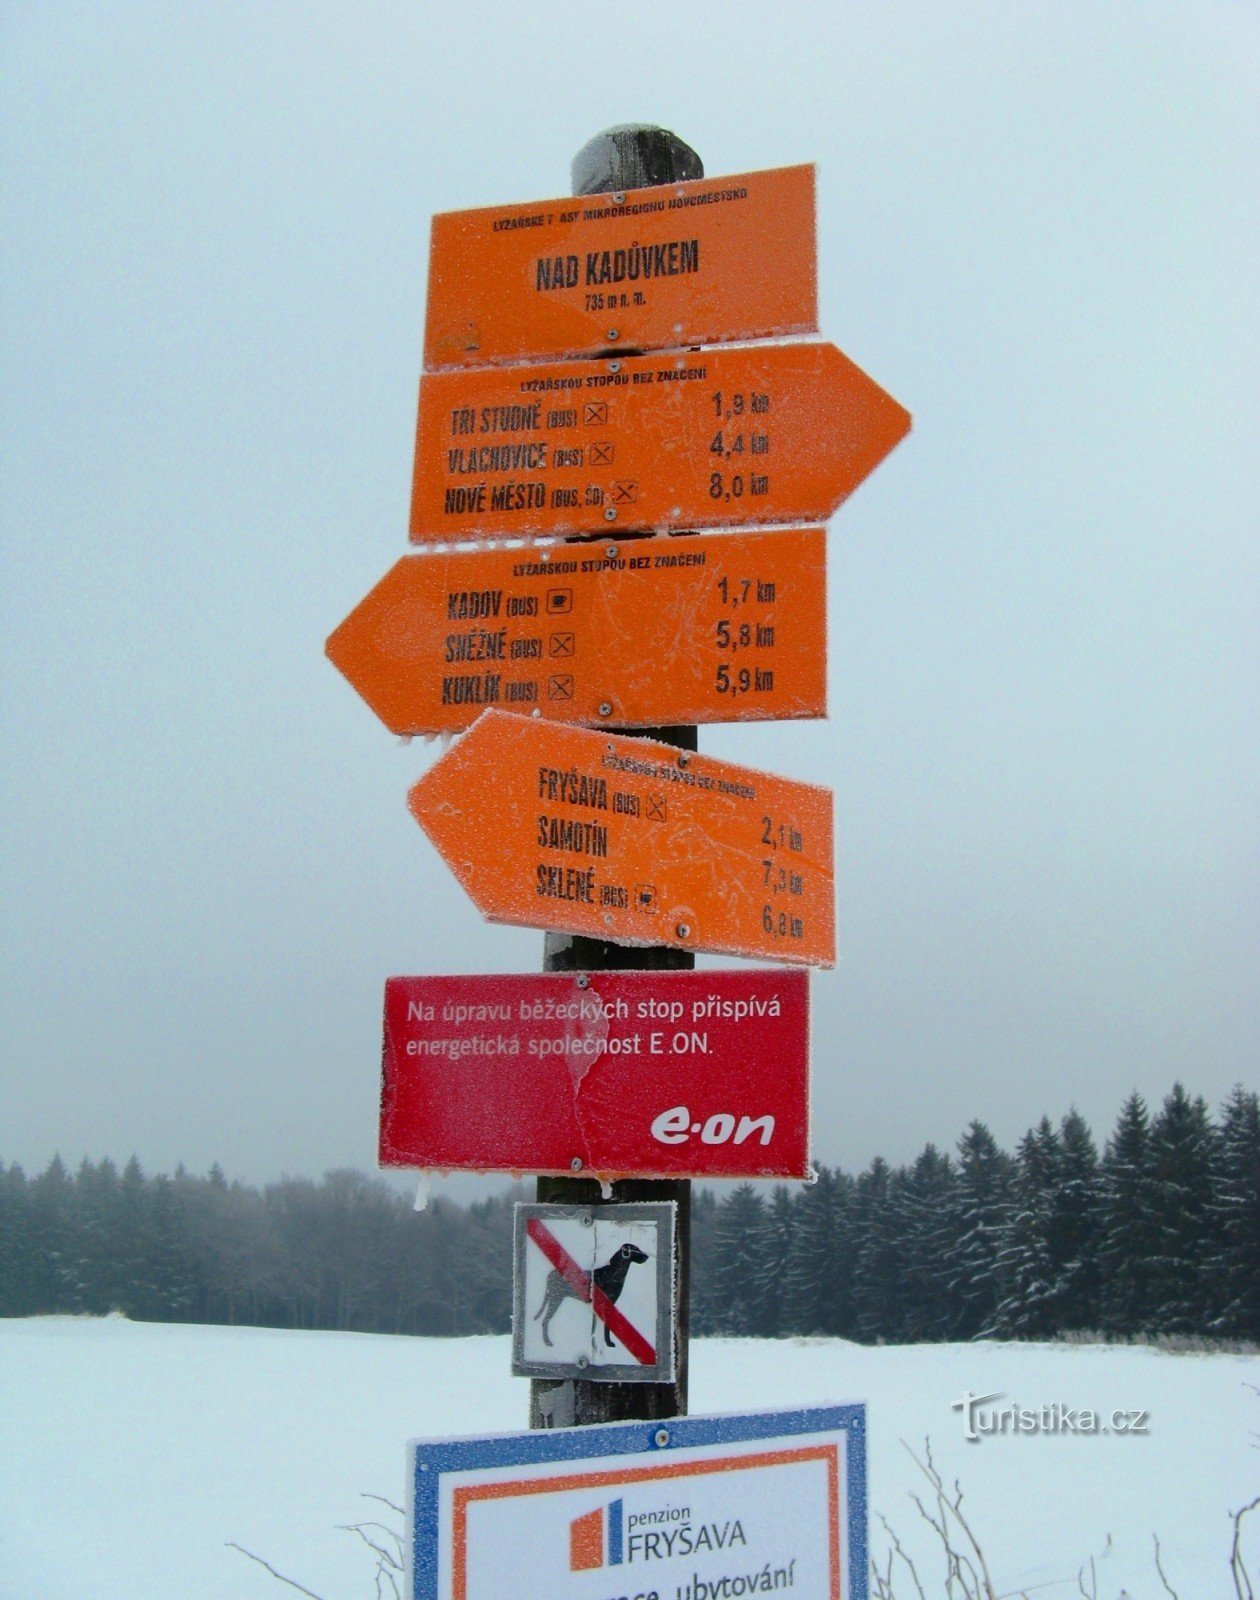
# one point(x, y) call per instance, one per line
point(682, 264)
point(579, 831)
point(726, 627)
point(754, 433)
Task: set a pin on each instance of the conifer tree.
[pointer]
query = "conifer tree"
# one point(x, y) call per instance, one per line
point(922, 1205)
point(979, 1212)
point(1234, 1268)
point(739, 1245)
point(53, 1257)
point(17, 1265)
point(1127, 1240)
point(772, 1283)
point(1181, 1161)
point(168, 1286)
point(1163, 1234)
point(95, 1260)
point(489, 1288)
point(819, 1276)
point(1075, 1227)
point(1026, 1260)
point(877, 1249)
point(704, 1209)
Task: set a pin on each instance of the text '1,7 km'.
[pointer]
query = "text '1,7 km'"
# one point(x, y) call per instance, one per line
point(752, 433)
point(630, 1074)
point(681, 264)
point(557, 827)
point(727, 627)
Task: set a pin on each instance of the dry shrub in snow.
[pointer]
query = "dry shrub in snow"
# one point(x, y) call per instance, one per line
point(966, 1574)
point(384, 1542)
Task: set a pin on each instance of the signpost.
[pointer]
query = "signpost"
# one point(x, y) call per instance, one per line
point(615, 1074)
point(687, 264)
point(701, 438)
point(724, 628)
point(593, 1293)
point(622, 1065)
point(624, 839)
point(697, 1507)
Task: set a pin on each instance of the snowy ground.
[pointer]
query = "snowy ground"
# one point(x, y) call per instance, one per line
point(130, 1454)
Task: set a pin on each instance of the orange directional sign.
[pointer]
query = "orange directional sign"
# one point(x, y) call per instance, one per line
point(622, 838)
point(726, 627)
point(754, 433)
point(683, 264)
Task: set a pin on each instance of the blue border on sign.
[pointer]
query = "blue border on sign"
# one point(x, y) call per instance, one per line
point(428, 1460)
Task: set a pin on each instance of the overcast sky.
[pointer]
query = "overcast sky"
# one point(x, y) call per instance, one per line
point(1037, 229)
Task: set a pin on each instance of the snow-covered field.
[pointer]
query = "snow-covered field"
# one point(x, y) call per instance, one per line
point(130, 1454)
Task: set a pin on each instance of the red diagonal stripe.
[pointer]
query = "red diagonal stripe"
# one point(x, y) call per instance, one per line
point(589, 1293)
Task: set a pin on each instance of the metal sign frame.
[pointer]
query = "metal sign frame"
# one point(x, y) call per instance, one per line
point(656, 1359)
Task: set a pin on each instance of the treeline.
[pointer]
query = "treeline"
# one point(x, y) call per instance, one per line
point(347, 1252)
point(1160, 1234)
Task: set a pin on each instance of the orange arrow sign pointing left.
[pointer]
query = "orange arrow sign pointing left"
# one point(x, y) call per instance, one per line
point(728, 627)
point(569, 829)
point(754, 433)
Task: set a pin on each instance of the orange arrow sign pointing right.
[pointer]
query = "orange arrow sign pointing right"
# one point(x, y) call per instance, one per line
point(556, 827)
point(752, 433)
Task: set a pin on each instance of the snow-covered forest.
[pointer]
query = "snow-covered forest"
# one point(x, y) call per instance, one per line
point(1159, 1233)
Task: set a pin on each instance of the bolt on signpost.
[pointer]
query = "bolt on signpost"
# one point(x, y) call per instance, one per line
point(599, 376)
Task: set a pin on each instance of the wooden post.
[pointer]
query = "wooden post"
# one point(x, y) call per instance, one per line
point(631, 157)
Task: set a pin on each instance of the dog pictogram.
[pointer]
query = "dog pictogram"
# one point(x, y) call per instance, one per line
point(610, 1278)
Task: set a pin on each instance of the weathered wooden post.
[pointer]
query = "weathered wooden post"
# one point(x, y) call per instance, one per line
point(622, 159)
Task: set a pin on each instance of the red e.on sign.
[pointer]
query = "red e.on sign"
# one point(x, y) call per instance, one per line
point(647, 1074)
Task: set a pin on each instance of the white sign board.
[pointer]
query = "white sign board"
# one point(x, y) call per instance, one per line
point(708, 1508)
point(593, 1292)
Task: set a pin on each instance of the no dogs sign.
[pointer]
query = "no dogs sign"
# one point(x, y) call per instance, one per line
point(593, 1292)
